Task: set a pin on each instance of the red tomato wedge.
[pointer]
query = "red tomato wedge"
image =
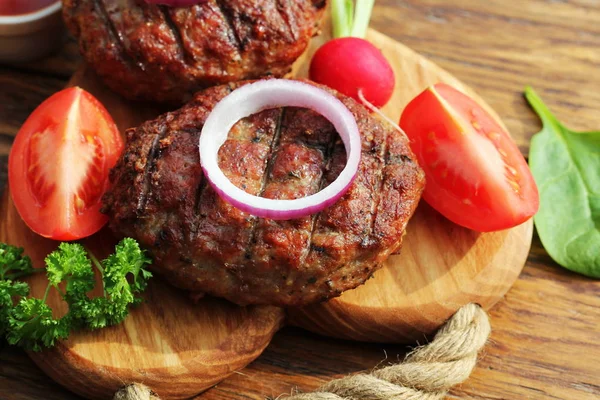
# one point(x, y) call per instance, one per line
point(59, 163)
point(476, 175)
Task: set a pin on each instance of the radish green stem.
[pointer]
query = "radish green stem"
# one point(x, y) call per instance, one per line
point(342, 19)
point(347, 21)
point(362, 16)
point(349, 15)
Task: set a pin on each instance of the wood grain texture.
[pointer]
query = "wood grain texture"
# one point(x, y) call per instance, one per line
point(545, 343)
point(442, 268)
point(498, 47)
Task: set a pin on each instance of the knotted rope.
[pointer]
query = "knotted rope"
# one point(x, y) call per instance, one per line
point(427, 373)
point(135, 391)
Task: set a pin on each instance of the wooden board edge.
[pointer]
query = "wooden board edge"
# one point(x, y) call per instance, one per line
point(88, 380)
point(374, 324)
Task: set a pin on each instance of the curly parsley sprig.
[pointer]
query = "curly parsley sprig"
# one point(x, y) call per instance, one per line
point(29, 322)
point(13, 265)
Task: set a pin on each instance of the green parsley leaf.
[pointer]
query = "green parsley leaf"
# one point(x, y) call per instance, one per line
point(127, 261)
point(71, 264)
point(13, 264)
point(9, 290)
point(32, 326)
point(91, 313)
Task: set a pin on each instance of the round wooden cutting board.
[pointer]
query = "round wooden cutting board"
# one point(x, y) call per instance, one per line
point(180, 348)
point(177, 347)
point(441, 266)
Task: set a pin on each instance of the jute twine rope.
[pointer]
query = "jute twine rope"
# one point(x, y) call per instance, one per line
point(427, 373)
point(136, 391)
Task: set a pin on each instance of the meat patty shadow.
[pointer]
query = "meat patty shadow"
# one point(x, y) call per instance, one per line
point(425, 224)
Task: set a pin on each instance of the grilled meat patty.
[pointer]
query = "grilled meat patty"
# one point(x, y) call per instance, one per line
point(201, 243)
point(158, 53)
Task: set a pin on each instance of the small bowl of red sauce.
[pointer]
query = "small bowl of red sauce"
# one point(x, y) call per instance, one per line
point(29, 29)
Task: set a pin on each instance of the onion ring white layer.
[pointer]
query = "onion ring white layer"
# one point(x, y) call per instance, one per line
point(273, 93)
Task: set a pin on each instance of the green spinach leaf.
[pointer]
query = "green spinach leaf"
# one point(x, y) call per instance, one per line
point(566, 167)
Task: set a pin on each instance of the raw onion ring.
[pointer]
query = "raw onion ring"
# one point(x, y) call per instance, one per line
point(263, 95)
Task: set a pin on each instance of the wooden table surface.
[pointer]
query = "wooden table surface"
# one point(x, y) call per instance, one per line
point(546, 333)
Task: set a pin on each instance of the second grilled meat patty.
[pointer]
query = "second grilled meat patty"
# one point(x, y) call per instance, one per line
point(164, 54)
point(201, 243)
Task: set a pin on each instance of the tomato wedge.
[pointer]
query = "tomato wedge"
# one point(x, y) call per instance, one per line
point(476, 175)
point(59, 163)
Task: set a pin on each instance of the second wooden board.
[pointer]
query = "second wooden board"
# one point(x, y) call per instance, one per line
point(442, 266)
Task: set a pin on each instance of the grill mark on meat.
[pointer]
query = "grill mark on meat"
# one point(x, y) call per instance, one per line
point(379, 188)
point(143, 196)
point(204, 182)
point(231, 31)
point(327, 164)
point(297, 168)
point(183, 53)
point(196, 211)
point(197, 205)
point(265, 177)
point(400, 185)
point(287, 17)
point(116, 35)
point(272, 150)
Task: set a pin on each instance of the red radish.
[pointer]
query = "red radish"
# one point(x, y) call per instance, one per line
point(352, 64)
point(349, 64)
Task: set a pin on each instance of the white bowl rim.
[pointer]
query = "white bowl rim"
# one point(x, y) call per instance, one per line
point(32, 16)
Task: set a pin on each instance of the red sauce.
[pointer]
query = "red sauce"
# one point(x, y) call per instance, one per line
point(18, 7)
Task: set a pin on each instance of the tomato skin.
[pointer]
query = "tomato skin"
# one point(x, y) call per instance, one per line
point(476, 175)
point(348, 64)
point(59, 165)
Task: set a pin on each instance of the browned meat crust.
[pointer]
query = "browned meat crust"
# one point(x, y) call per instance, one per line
point(157, 53)
point(201, 243)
